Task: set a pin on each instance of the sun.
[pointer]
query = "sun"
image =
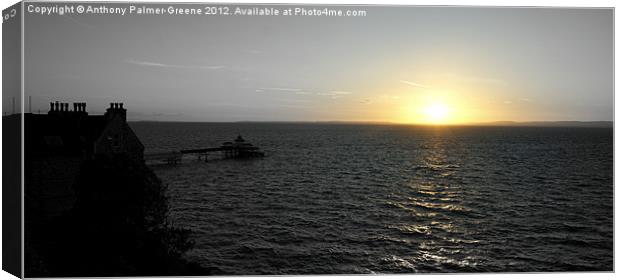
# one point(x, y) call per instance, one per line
point(436, 113)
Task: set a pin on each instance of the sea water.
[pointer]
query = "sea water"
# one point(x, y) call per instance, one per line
point(344, 198)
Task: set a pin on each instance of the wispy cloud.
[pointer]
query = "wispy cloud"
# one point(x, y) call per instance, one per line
point(516, 101)
point(414, 84)
point(332, 93)
point(341, 92)
point(176, 66)
point(281, 89)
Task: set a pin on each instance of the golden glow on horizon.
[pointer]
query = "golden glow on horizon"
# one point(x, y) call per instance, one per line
point(434, 109)
point(447, 102)
point(436, 113)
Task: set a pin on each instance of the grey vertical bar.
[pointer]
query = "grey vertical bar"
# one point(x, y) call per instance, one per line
point(12, 238)
point(23, 140)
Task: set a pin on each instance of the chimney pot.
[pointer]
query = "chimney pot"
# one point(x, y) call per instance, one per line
point(56, 106)
point(121, 105)
point(52, 106)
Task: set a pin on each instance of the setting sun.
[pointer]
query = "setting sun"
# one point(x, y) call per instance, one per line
point(433, 111)
point(436, 113)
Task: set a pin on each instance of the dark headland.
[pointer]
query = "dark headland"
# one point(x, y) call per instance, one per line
point(92, 206)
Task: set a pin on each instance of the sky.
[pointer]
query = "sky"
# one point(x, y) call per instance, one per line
point(397, 64)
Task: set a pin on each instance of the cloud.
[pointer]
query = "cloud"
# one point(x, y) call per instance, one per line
point(282, 89)
point(520, 100)
point(414, 84)
point(296, 100)
point(340, 92)
point(176, 66)
point(334, 93)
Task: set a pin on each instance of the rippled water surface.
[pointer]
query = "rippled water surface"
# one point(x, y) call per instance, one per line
point(334, 198)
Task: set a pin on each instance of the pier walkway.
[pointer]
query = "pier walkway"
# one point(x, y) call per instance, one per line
point(229, 150)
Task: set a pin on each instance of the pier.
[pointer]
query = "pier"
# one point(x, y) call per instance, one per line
point(229, 150)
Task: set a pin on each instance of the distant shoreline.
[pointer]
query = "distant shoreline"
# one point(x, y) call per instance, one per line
point(567, 124)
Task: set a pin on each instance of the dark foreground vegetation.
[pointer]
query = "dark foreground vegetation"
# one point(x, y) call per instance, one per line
point(117, 227)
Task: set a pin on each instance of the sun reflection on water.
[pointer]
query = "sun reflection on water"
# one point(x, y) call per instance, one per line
point(436, 207)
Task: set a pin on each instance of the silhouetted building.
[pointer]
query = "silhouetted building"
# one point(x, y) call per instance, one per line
point(75, 133)
point(57, 143)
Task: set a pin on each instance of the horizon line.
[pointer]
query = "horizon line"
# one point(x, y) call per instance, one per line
point(605, 123)
point(489, 123)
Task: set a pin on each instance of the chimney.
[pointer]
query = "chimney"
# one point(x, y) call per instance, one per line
point(116, 109)
point(51, 106)
point(78, 107)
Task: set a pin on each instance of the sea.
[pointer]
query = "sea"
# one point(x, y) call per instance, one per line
point(333, 198)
